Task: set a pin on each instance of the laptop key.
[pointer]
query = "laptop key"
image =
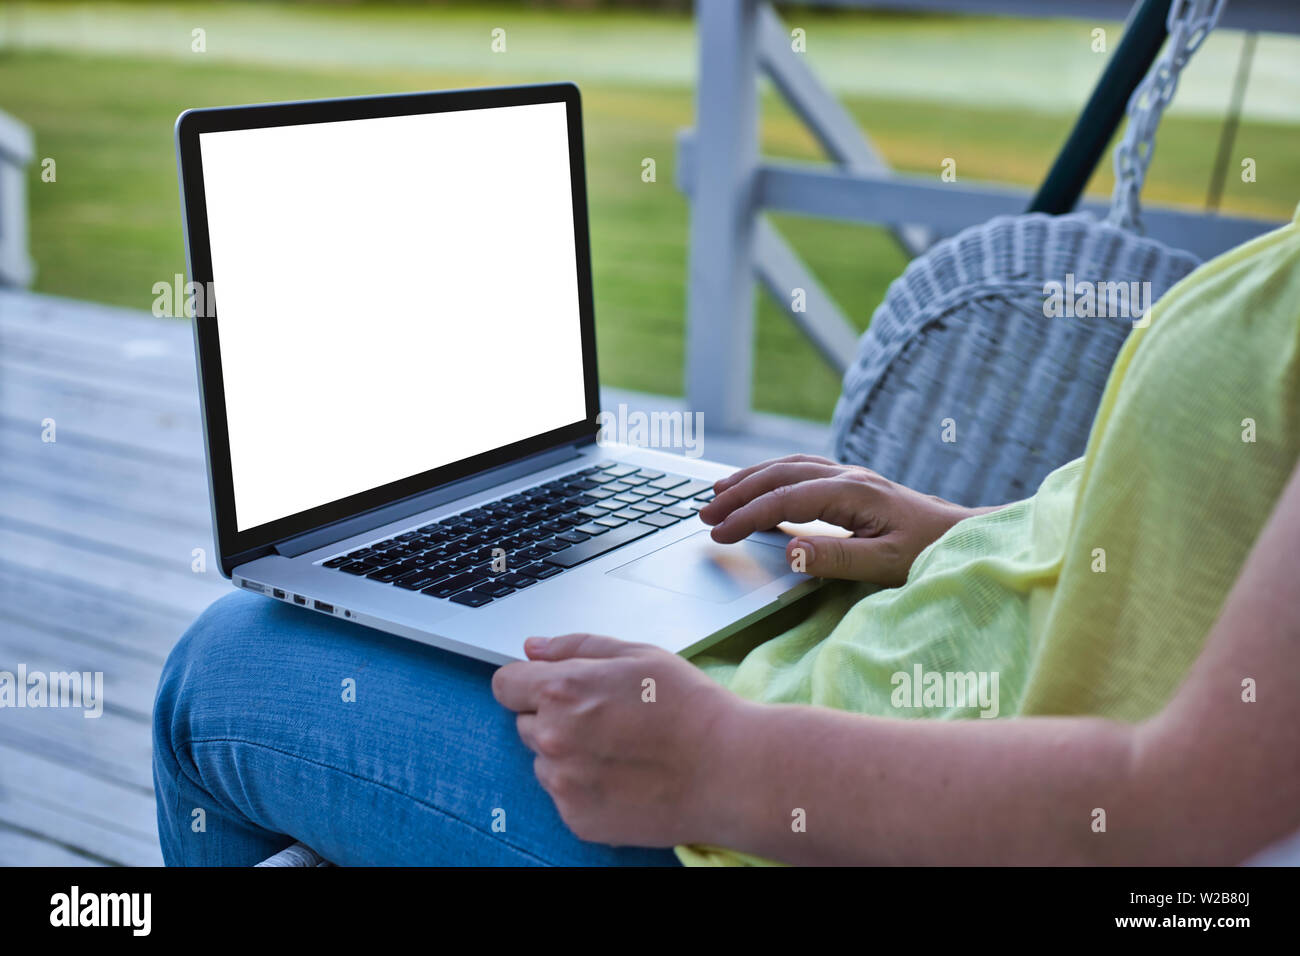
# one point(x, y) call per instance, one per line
point(416, 580)
point(618, 471)
point(495, 589)
point(645, 507)
point(662, 520)
point(443, 570)
point(390, 574)
point(573, 537)
point(679, 512)
point(541, 571)
point(337, 562)
point(571, 557)
point(591, 529)
point(517, 580)
point(472, 599)
point(609, 521)
point(358, 567)
point(627, 514)
point(453, 584)
point(667, 481)
point(690, 489)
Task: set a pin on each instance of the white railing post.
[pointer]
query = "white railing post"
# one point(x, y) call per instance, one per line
point(720, 286)
point(16, 151)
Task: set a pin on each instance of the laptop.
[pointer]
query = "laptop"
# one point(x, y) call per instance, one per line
point(399, 389)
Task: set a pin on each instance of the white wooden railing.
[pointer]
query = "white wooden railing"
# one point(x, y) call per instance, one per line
point(16, 151)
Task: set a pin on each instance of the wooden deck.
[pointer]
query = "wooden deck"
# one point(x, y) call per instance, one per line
point(97, 533)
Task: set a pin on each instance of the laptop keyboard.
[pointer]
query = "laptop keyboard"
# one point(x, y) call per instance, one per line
point(489, 552)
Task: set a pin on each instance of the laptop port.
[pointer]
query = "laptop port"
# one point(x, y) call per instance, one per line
point(278, 593)
point(327, 608)
point(299, 599)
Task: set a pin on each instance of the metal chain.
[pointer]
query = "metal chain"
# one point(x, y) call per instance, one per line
point(1190, 22)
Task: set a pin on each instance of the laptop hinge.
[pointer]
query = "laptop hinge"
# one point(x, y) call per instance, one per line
point(319, 537)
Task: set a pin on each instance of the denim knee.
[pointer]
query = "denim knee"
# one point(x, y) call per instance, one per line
point(202, 651)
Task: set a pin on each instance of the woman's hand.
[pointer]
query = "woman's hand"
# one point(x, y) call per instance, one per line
point(631, 741)
point(890, 524)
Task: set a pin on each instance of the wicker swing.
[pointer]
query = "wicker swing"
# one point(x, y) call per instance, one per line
point(963, 386)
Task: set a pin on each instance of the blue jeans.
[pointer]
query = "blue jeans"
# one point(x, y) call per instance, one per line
point(274, 724)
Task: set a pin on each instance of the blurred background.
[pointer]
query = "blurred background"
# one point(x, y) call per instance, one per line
point(100, 85)
point(106, 550)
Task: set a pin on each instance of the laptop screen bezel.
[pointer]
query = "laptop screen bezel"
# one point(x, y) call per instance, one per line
point(236, 546)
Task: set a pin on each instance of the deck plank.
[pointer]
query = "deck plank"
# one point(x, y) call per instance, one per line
point(23, 847)
point(114, 749)
point(88, 613)
point(102, 819)
point(96, 534)
point(128, 679)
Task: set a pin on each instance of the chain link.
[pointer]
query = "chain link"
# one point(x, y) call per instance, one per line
point(1189, 23)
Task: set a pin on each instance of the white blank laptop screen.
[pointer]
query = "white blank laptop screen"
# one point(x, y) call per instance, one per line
point(394, 295)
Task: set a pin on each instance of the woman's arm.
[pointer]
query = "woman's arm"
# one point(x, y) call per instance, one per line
point(1209, 780)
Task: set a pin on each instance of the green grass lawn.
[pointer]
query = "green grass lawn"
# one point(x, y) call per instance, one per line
point(109, 228)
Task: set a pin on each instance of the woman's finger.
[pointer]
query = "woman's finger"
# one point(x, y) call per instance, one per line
point(517, 685)
point(575, 645)
point(722, 484)
point(762, 481)
point(824, 498)
point(527, 726)
point(880, 560)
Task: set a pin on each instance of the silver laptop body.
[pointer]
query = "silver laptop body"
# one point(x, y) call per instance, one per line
point(399, 390)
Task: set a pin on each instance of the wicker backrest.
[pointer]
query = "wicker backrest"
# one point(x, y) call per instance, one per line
point(962, 348)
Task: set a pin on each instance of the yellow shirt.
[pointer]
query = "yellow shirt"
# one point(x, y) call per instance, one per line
point(1095, 595)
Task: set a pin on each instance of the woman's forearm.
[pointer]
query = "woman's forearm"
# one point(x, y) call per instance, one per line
point(815, 786)
point(1212, 778)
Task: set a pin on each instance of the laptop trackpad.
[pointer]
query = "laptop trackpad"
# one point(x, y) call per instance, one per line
point(700, 567)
